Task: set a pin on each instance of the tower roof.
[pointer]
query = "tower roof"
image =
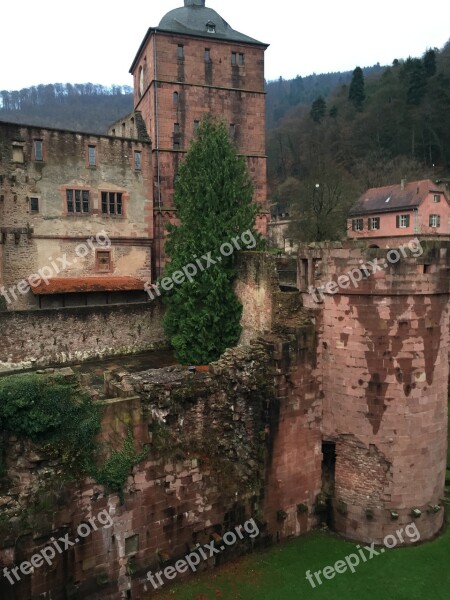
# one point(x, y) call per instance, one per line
point(194, 18)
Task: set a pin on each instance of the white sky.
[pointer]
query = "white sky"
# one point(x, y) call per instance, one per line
point(95, 41)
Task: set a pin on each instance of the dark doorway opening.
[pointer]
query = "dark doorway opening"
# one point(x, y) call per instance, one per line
point(328, 480)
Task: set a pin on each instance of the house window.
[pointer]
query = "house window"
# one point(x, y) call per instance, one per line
point(112, 203)
point(233, 58)
point(92, 154)
point(207, 54)
point(180, 52)
point(435, 221)
point(17, 153)
point(374, 223)
point(103, 260)
point(232, 130)
point(175, 98)
point(437, 198)
point(196, 125)
point(402, 221)
point(241, 58)
point(210, 27)
point(137, 161)
point(34, 205)
point(38, 150)
point(357, 224)
point(77, 201)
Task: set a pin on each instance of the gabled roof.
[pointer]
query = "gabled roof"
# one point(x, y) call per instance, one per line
point(393, 198)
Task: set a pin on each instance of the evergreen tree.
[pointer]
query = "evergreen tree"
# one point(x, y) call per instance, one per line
point(417, 82)
point(213, 198)
point(429, 62)
point(356, 93)
point(318, 109)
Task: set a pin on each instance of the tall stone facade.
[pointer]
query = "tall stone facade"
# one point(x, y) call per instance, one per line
point(191, 65)
point(60, 189)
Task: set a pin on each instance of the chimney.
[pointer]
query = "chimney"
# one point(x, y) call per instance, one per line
point(402, 184)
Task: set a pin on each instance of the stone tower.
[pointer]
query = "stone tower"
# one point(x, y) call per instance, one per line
point(191, 65)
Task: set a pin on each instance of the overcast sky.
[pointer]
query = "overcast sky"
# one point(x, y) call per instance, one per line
point(95, 41)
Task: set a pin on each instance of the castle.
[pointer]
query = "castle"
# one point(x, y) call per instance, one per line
point(334, 404)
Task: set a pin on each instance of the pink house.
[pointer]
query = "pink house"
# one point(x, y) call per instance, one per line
point(415, 208)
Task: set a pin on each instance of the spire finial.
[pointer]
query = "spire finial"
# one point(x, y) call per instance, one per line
point(194, 2)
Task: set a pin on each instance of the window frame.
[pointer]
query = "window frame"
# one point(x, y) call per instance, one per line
point(92, 154)
point(98, 255)
point(180, 52)
point(207, 55)
point(38, 156)
point(110, 199)
point(436, 198)
point(36, 210)
point(233, 59)
point(435, 219)
point(82, 201)
point(358, 224)
point(374, 221)
point(137, 161)
point(403, 221)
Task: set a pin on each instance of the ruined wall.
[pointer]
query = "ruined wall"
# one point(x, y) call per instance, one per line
point(383, 360)
point(55, 336)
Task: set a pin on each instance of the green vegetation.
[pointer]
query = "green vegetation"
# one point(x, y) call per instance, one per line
point(50, 411)
point(64, 421)
point(213, 198)
point(114, 472)
point(412, 573)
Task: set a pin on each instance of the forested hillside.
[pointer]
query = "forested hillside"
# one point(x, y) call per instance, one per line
point(78, 107)
point(373, 131)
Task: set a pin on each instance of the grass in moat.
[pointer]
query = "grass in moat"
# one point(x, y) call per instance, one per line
point(420, 572)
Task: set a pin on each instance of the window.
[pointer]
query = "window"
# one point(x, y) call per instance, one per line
point(34, 205)
point(357, 224)
point(103, 260)
point(176, 145)
point(196, 125)
point(137, 161)
point(112, 203)
point(38, 150)
point(207, 54)
point(17, 153)
point(437, 198)
point(435, 221)
point(233, 58)
point(374, 223)
point(402, 221)
point(176, 128)
point(180, 52)
point(210, 27)
point(232, 130)
point(175, 98)
point(92, 154)
point(77, 201)
point(241, 59)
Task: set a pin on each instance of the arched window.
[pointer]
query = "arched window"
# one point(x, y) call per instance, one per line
point(175, 98)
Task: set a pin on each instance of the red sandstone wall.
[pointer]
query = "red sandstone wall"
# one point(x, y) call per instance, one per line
point(383, 360)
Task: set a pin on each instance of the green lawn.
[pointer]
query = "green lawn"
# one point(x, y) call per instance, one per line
point(416, 573)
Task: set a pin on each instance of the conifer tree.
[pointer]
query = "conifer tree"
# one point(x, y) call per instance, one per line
point(213, 198)
point(356, 93)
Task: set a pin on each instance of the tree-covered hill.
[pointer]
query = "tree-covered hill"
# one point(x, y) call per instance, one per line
point(79, 107)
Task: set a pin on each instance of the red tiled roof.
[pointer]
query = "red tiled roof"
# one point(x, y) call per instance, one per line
point(394, 197)
point(71, 285)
